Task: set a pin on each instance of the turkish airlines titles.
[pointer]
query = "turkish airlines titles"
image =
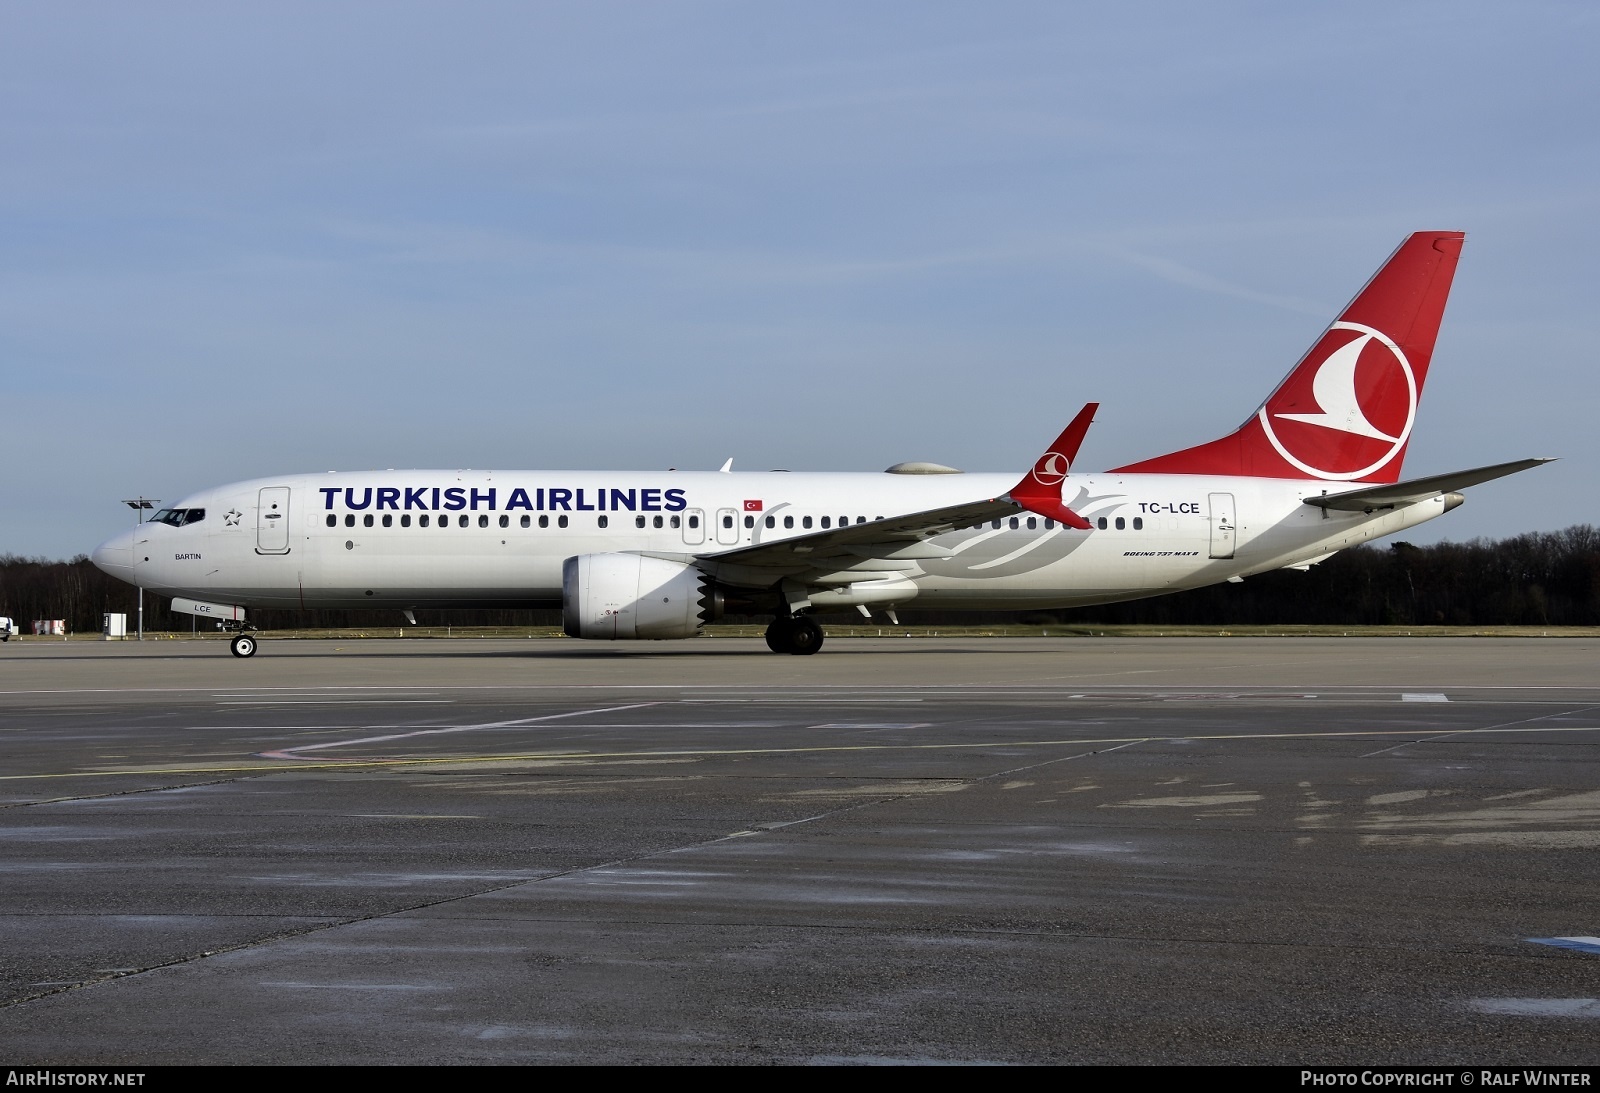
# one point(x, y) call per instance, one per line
point(542, 499)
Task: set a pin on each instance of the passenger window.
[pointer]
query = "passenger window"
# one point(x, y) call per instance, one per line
point(405, 520)
point(333, 521)
point(388, 521)
point(655, 521)
point(366, 521)
point(772, 521)
point(1101, 523)
point(350, 520)
point(527, 521)
point(544, 521)
point(805, 521)
point(826, 522)
point(788, 521)
point(422, 521)
point(749, 521)
point(505, 521)
point(561, 521)
point(1033, 522)
point(464, 521)
point(1121, 523)
point(1049, 524)
point(605, 521)
point(672, 521)
point(638, 521)
point(1014, 524)
point(483, 521)
point(995, 525)
point(1138, 523)
point(861, 519)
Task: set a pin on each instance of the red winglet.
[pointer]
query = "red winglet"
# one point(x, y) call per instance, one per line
point(1040, 489)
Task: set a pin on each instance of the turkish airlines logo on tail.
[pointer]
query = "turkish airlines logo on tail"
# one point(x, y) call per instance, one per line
point(1051, 470)
point(1348, 410)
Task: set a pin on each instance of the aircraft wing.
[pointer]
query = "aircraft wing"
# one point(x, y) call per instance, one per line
point(1418, 489)
point(851, 548)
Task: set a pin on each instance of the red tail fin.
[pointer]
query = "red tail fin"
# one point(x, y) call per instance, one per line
point(1040, 489)
point(1344, 414)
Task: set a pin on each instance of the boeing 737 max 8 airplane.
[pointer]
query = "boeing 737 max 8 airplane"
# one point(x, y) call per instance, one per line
point(1314, 470)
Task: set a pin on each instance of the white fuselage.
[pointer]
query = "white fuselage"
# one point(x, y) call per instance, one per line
point(498, 539)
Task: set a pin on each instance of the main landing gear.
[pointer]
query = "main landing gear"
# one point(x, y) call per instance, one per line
point(799, 635)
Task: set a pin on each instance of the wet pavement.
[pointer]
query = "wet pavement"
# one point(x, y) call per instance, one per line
point(899, 850)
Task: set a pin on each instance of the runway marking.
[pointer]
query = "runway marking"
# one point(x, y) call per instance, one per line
point(1582, 944)
point(342, 692)
point(268, 703)
point(536, 757)
point(1504, 726)
point(289, 753)
point(1413, 696)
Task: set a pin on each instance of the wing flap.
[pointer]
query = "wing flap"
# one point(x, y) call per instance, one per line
point(896, 538)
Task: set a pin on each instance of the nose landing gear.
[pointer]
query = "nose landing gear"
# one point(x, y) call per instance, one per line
point(799, 635)
point(242, 645)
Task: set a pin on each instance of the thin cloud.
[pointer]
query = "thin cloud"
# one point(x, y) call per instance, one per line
point(1180, 274)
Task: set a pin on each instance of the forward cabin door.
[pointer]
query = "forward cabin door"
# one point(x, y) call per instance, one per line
point(272, 521)
point(1224, 525)
point(694, 527)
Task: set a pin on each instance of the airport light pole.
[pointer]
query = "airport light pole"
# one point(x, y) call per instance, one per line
point(140, 505)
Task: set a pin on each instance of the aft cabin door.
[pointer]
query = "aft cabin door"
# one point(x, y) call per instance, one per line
point(1223, 525)
point(272, 521)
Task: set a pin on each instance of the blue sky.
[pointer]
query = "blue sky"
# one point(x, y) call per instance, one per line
point(238, 241)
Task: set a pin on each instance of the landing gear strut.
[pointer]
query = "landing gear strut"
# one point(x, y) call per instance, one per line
point(799, 635)
point(243, 645)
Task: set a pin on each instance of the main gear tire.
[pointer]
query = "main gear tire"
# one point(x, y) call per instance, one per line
point(796, 636)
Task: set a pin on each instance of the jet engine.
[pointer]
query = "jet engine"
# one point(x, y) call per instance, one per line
point(621, 596)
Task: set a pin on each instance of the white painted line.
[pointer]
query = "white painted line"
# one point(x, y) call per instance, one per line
point(345, 692)
point(1422, 697)
point(290, 753)
point(268, 703)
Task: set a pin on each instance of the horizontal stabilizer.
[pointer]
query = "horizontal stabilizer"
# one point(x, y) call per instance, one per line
point(1418, 489)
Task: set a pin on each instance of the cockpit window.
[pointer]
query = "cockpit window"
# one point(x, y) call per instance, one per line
point(178, 517)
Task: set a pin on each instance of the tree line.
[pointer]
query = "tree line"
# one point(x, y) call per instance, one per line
point(1536, 579)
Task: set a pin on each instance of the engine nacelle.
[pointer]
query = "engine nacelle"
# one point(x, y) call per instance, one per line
point(621, 596)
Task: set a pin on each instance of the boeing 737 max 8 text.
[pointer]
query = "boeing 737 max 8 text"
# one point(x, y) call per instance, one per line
point(1314, 470)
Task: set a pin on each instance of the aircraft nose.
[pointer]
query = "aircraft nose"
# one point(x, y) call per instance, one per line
point(115, 555)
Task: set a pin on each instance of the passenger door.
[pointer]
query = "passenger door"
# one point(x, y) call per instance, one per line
point(272, 521)
point(728, 527)
point(1223, 525)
